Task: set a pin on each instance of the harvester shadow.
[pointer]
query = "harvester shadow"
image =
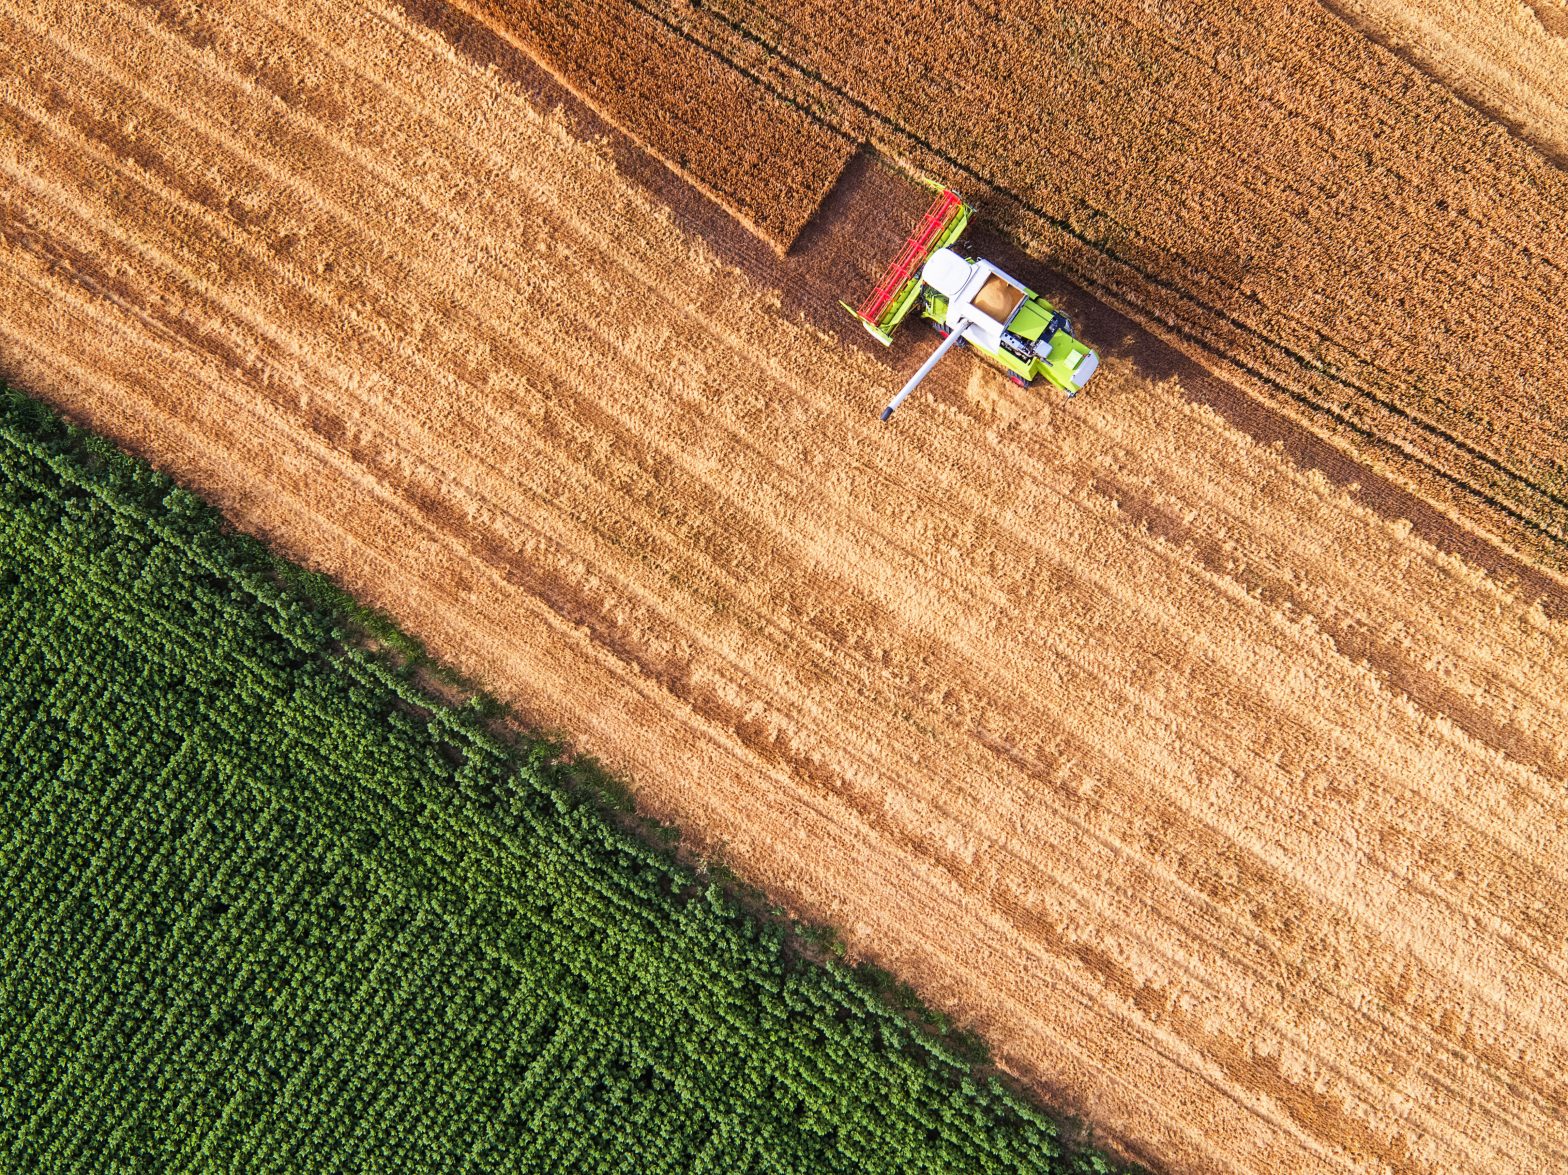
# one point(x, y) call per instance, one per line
point(1552, 19)
point(1107, 330)
point(1103, 328)
point(1113, 333)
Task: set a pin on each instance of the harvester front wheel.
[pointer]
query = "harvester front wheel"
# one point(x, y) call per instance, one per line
point(1018, 379)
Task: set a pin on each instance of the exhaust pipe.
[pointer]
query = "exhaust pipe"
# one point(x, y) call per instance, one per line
point(925, 368)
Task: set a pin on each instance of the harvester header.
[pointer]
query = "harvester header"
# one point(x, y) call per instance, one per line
point(895, 294)
point(972, 303)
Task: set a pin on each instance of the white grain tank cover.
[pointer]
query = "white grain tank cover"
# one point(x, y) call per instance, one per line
point(946, 273)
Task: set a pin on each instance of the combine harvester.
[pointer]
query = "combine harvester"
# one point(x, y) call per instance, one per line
point(973, 302)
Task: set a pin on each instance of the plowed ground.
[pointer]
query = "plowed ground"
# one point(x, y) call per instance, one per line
point(1267, 184)
point(1230, 808)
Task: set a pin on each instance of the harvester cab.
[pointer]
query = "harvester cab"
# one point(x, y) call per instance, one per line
point(975, 304)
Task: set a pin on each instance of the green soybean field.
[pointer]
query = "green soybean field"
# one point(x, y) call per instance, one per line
point(269, 905)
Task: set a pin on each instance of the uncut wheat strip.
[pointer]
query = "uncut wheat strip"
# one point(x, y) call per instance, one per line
point(1512, 245)
point(1393, 206)
point(1498, 49)
point(1179, 41)
point(1306, 68)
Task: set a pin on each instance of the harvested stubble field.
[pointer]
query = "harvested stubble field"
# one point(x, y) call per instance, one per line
point(1267, 184)
point(1229, 809)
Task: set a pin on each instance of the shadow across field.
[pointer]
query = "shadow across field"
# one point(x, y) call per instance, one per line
point(1113, 333)
point(1553, 15)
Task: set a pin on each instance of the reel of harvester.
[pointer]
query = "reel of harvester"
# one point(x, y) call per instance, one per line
point(975, 303)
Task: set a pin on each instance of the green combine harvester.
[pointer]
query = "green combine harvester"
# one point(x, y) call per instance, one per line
point(973, 303)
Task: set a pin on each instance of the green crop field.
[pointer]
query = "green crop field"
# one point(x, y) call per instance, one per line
point(267, 905)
